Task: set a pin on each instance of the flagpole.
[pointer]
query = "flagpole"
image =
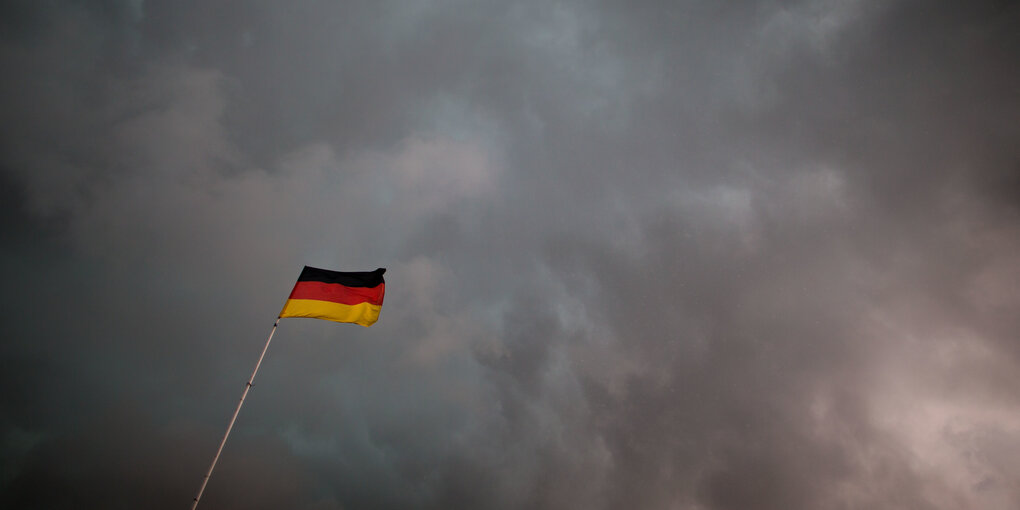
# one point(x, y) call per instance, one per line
point(233, 418)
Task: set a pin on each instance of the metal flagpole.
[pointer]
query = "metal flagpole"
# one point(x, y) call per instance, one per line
point(247, 386)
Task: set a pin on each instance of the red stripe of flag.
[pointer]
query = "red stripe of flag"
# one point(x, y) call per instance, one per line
point(337, 293)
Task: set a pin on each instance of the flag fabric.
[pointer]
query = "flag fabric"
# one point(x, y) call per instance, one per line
point(337, 296)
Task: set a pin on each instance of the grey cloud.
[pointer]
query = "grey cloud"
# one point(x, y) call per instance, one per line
point(641, 255)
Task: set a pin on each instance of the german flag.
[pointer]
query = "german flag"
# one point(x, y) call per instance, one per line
point(335, 296)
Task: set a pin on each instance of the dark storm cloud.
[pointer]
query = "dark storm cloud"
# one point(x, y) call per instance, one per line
point(641, 255)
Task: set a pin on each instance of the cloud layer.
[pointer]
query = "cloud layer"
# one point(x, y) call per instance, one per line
point(641, 255)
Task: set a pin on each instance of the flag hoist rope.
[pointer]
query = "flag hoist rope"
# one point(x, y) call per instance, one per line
point(233, 418)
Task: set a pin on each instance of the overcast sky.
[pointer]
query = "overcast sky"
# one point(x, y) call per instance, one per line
point(689, 255)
